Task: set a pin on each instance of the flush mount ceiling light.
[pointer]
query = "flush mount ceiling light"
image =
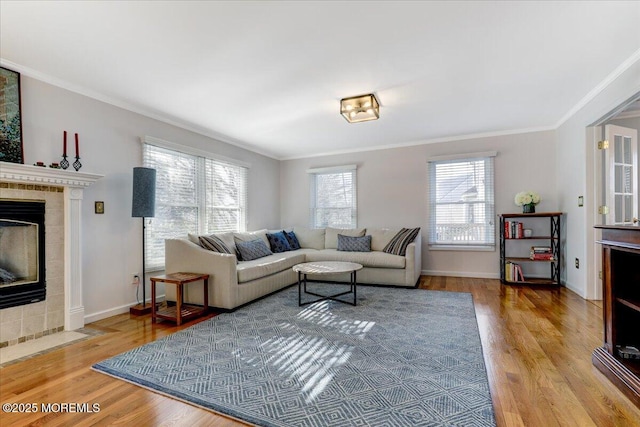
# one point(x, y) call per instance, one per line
point(360, 108)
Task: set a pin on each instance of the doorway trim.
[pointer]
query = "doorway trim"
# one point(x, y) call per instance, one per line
point(593, 134)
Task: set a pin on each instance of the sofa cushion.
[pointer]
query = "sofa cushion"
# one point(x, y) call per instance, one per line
point(380, 237)
point(214, 243)
point(226, 238)
point(375, 259)
point(253, 249)
point(354, 244)
point(398, 245)
point(278, 242)
point(331, 235)
point(248, 236)
point(310, 238)
point(271, 264)
point(292, 239)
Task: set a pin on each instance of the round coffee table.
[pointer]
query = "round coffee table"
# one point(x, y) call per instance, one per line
point(320, 268)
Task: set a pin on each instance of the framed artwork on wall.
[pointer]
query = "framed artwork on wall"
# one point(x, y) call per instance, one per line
point(10, 117)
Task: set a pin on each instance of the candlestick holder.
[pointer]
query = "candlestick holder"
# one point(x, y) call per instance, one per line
point(64, 163)
point(77, 165)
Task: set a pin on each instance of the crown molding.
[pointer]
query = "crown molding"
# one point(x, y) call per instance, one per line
point(602, 86)
point(54, 81)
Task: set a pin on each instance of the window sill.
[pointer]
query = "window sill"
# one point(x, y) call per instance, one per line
point(469, 248)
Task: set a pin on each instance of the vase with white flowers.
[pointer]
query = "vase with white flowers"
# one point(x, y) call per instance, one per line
point(528, 200)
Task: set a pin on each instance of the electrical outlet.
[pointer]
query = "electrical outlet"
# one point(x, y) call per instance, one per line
point(577, 263)
point(135, 279)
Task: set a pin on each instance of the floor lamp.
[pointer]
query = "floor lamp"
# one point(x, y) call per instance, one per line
point(143, 206)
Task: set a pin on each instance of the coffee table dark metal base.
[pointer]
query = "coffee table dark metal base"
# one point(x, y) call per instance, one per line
point(302, 287)
point(321, 268)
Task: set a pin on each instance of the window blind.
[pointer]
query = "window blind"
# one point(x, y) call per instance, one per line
point(461, 200)
point(333, 197)
point(194, 194)
point(226, 197)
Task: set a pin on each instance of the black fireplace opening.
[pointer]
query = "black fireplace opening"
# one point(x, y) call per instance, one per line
point(22, 252)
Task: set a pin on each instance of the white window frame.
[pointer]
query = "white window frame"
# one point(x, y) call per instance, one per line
point(463, 238)
point(349, 202)
point(201, 204)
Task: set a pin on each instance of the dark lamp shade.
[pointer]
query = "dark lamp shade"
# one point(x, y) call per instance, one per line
point(144, 192)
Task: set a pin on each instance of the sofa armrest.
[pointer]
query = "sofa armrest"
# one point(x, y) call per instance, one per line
point(181, 255)
point(413, 260)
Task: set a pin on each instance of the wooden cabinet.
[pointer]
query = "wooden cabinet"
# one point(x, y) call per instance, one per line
point(621, 308)
point(516, 248)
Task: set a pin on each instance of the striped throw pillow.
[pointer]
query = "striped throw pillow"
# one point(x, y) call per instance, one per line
point(398, 245)
point(213, 243)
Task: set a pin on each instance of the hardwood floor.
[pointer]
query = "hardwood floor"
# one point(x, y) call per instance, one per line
point(537, 346)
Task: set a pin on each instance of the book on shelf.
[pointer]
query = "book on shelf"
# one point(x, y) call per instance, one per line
point(513, 230)
point(541, 253)
point(513, 272)
point(541, 248)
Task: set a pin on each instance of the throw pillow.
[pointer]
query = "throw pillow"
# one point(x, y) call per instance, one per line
point(253, 249)
point(354, 244)
point(292, 239)
point(278, 242)
point(213, 243)
point(248, 236)
point(398, 245)
point(331, 235)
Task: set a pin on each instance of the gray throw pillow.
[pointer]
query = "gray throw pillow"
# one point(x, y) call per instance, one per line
point(214, 243)
point(252, 249)
point(354, 244)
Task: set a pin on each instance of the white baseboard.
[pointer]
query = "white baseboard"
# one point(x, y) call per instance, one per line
point(460, 274)
point(94, 317)
point(575, 290)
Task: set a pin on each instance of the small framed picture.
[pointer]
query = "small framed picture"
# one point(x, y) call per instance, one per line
point(99, 207)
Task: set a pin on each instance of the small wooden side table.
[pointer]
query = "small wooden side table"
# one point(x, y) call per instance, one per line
point(181, 311)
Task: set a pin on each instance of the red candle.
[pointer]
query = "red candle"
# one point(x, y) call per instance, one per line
point(77, 151)
point(64, 153)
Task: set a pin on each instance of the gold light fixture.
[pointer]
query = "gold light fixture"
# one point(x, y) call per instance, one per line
point(360, 108)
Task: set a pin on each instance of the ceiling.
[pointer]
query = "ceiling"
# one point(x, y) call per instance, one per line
point(269, 75)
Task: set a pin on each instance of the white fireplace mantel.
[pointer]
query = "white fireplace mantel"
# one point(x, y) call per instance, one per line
point(74, 184)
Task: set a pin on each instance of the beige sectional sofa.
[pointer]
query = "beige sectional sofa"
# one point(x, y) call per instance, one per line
point(233, 283)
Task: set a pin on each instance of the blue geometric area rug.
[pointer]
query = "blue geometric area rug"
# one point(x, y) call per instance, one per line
point(401, 357)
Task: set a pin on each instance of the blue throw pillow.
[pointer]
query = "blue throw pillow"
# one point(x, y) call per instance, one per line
point(253, 249)
point(354, 244)
point(278, 242)
point(292, 239)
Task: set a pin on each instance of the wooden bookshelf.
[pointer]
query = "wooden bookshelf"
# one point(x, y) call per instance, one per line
point(552, 240)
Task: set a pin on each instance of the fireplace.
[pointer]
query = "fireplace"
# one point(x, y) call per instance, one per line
point(62, 191)
point(22, 252)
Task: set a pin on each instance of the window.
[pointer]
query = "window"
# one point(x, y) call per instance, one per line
point(333, 197)
point(194, 194)
point(461, 200)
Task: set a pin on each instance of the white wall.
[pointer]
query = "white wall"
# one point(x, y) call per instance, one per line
point(575, 173)
point(109, 145)
point(392, 189)
point(391, 183)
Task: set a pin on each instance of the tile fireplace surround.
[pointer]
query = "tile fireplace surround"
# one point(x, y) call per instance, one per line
point(62, 191)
